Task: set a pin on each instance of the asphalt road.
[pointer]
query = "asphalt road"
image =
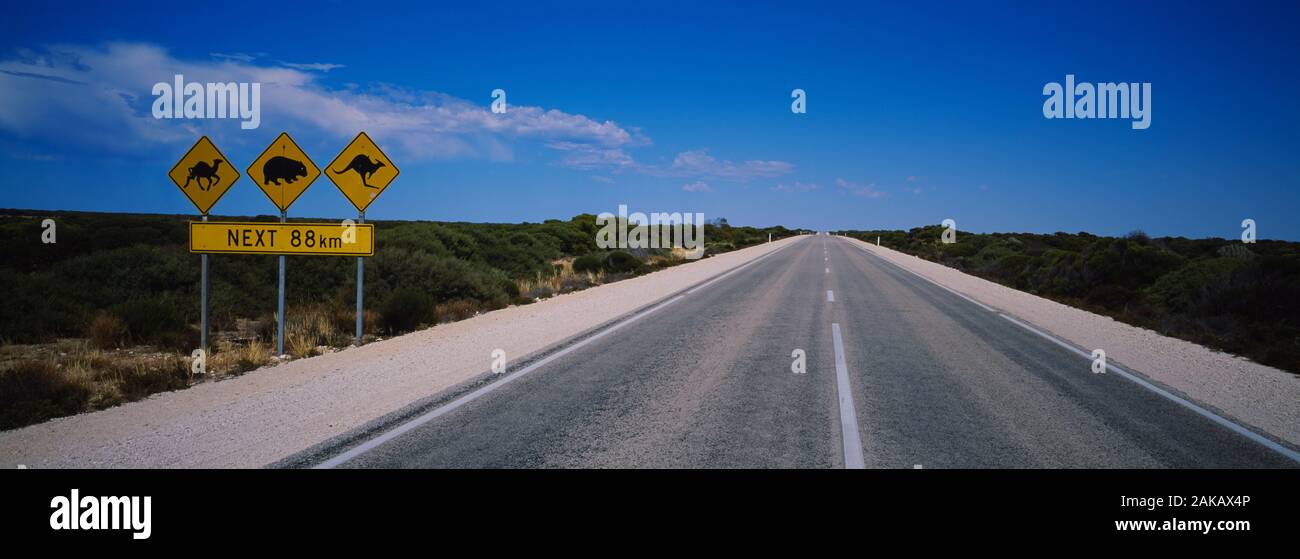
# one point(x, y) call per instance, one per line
point(922, 378)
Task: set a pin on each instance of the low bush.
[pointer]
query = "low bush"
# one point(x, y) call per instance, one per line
point(106, 331)
point(161, 321)
point(405, 310)
point(36, 390)
point(620, 262)
point(588, 263)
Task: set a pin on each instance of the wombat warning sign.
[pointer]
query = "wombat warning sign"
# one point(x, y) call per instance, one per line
point(283, 171)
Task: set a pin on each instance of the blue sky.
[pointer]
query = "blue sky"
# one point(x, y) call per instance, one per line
point(917, 112)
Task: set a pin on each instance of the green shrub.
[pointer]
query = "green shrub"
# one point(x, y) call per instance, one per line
point(589, 263)
point(1195, 285)
point(405, 310)
point(619, 262)
point(160, 321)
point(510, 288)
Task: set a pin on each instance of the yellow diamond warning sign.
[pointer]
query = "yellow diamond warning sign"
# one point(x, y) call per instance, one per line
point(204, 174)
point(361, 171)
point(283, 171)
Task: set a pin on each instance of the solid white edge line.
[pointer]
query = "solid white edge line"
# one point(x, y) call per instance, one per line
point(444, 409)
point(1216, 418)
point(940, 285)
point(853, 459)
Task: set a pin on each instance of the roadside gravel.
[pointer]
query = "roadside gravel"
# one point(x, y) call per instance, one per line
point(268, 414)
point(1262, 397)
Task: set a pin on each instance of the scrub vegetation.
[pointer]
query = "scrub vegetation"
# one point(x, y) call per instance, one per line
point(109, 313)
point(1224, 294)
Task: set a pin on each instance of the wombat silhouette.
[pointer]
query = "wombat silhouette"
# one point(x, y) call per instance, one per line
point(363, 166)
point(200, 172)
point(280, 168)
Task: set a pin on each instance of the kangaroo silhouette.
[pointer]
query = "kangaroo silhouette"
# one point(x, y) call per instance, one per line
point(363, 166)
point(202, 171)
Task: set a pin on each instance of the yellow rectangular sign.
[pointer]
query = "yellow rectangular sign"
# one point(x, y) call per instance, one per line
point(325, 239)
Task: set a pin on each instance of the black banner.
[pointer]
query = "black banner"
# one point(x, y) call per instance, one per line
point(325, 509)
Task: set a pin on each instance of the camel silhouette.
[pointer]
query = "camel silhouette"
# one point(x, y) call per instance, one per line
point(202, 171)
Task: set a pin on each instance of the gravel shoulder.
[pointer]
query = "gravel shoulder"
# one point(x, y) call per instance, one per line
point(265, 415)
point(1261, 397)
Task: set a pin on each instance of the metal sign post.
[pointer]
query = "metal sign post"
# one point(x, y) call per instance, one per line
point(279, 337)
point(361, 172)
point(361, 281)
point(283, 172)
point(203, 307)
point(203, 175)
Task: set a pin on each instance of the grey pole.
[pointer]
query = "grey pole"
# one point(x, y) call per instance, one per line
point(280, 331)
point(203, 294)
point(361, 281)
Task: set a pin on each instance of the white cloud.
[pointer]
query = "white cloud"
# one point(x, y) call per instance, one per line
point(796, 187)
point(860, 190)
point(237, 57)
point(99, 98)
point(69, 98)
point(697, 186)
point(312, 66)
point(590, 157)
point(700, 163)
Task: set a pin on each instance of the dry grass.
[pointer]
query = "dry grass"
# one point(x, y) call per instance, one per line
point(563, 280)
point(43, 381)
point(40, 382)
point(307, 329)
point(231, 357)
point(106, 330)
point(459, 309)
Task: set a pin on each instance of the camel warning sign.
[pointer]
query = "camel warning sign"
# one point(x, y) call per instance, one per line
point(204, 174)
point(283, 171)
point(361, 171)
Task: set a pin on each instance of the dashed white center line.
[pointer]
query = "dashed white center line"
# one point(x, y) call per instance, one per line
point(853, 459)
point(830, 296)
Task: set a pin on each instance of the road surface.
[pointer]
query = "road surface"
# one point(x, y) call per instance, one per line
point(900, 373)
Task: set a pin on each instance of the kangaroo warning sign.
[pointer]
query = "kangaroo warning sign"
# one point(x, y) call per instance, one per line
point(283, 171)
point(324, 239)
point(204, 174)
point(361, 171)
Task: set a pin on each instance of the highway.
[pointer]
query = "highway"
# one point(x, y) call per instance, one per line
point(900, 373)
